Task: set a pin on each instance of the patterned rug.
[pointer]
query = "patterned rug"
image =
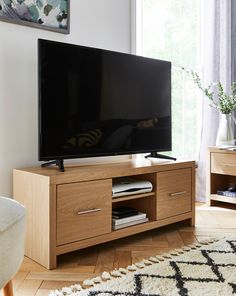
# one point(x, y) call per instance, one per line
point(207, 268)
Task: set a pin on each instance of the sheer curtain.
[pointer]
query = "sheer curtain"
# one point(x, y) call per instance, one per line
point(216, 59)
point(233, 39)
point(217, 67)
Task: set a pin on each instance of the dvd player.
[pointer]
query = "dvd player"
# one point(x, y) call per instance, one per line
point(128, 186)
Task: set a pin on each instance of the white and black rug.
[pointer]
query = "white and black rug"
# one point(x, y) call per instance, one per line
point(207, 268)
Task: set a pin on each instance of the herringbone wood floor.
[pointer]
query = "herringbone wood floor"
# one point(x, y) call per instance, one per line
point(33, 279)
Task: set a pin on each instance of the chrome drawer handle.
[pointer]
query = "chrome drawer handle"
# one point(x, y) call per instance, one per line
point(88, 211)
point(174, 194)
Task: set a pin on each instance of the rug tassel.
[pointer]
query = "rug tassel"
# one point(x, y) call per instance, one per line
point(175, 253)
point(66, 291)
point(88, 282)
point(208, 241)
point(160, 258)
point(76, 288)
point(179, 251)
point(186, 249)
point(166, 255)
point(123, 270)
point(106, 276)
point(153, 259)
point(97, 280)
point(116, 273)
point(147, 262)
point(140, 264)
point(132, 267)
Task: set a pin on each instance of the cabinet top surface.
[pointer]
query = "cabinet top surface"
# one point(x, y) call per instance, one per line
point(91, 171)
point(221, 150)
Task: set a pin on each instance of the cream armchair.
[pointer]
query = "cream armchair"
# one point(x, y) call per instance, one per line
point(12, 227)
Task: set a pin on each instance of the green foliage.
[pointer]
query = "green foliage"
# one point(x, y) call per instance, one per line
point(215, 92)
point(47, 9)
point(33, 10)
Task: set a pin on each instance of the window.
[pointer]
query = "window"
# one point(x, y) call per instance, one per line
point(171, 30)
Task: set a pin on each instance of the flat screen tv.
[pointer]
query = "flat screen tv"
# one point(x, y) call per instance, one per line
point(95, 102)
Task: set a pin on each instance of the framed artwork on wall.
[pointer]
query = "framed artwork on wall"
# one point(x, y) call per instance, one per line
point(50, 15)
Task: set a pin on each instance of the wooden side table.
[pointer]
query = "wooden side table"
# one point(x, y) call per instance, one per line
point(220, 173)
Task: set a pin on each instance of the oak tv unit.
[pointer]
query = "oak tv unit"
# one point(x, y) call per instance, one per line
point(73, 210)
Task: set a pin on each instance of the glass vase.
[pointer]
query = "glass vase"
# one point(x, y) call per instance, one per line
point(225, 134)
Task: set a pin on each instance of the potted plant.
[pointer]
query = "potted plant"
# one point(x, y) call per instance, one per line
point(225, 103)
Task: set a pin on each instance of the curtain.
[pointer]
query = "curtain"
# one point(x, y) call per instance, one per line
point(217, 67)
point(233, 40)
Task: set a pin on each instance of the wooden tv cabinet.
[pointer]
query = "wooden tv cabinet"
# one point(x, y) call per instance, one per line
point(72, 210)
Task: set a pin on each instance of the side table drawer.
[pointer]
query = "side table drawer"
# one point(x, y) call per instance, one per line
point(174, 193)
point(83, 210)
point(223, 163)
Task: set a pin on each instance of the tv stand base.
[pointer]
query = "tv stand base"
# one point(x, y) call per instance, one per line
point(157, 155)
point(58, 162)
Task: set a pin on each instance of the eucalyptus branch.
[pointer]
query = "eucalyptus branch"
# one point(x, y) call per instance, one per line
point(215, 92)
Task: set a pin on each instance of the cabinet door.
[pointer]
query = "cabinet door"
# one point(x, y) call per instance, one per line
point(174, 193)
point(83, 210)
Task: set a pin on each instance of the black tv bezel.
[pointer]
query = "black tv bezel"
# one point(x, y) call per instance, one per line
point(90, 155)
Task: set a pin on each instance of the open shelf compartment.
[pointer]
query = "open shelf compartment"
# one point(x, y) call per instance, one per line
point(221, 182)
point(143, 202)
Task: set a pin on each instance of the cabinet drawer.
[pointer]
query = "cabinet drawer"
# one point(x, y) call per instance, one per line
point(174, 193)
point(83, 210)
point(223, 163)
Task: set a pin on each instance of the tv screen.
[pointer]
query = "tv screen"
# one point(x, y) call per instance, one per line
point(95, 102)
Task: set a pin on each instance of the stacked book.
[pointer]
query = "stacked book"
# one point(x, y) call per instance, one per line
point(227, 193)
point(125, 216)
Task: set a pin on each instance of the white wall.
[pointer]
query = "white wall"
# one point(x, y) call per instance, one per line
point(97, 23)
